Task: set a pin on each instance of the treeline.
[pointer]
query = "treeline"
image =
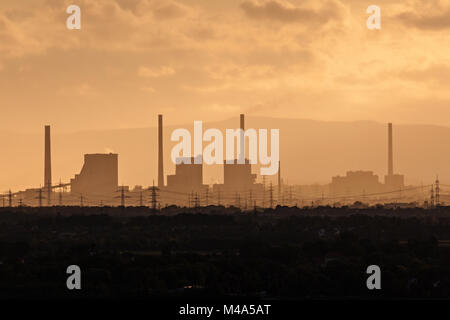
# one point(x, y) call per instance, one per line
point(266, 255)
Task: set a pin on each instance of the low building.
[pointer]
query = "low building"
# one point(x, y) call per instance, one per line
point(355, 183)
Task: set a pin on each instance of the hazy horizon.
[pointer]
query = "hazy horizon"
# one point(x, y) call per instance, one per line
point(304, 150)
point(187, 122)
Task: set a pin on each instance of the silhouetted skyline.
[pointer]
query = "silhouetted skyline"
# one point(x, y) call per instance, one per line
point(97, 184)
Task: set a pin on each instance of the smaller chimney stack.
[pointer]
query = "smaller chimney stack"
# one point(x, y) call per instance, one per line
point(241, 156)
point(48, 165)
point(47, 160)
point(160, 152)
point(390, 152)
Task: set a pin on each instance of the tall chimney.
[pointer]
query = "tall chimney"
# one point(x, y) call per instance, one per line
point(48, 160)
point(241, 156)
point(390, 152)
point(160, 152)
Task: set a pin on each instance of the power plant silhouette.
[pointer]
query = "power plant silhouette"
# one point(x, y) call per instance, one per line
point(97, 185)
point(367, 181)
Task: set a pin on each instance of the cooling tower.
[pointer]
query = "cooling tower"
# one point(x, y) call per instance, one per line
point(99, 176)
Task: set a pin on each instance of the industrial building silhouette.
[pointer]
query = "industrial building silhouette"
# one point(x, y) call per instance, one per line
point(99, 175)
point(188, 177)
point(366, 181)
point(97, 183)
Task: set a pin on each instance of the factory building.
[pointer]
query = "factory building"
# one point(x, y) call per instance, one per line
point(188, 177)
point(238, 177)
point(355, 183)
point(360, 182)
point(99, 175)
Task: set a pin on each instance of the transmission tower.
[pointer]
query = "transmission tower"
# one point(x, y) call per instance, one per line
point(60, 194)
point(299, 197)
point(237, 200)
point(271, 195)
point(49, 193)
point(154, 196)
point(196, 200)
point(60, 200)
point(9, 198)
point(40, 197)
point(437, 192)
point(290, 196)
point(279, 185)
point(264, 192)
point(122, 196)
point(432, 196)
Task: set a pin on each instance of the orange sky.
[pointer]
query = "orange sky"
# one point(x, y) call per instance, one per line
point(210, 60)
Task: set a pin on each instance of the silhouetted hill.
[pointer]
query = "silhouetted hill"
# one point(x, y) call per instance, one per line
point(311, 151)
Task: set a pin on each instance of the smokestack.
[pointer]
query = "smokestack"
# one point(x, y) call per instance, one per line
point(48, 160)
point(390, 152)
point(160, 152)
point(242, 143)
